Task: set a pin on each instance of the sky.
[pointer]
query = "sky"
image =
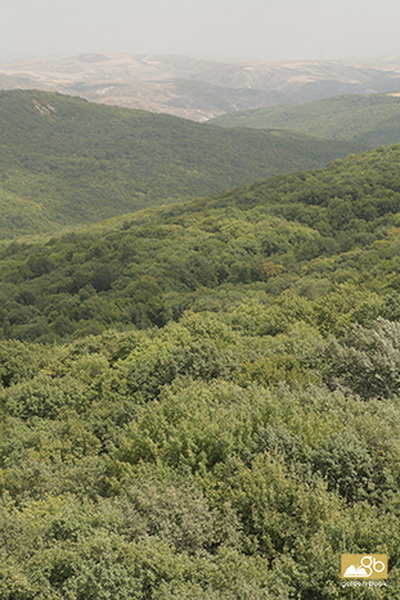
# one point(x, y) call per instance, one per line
point(267, 30)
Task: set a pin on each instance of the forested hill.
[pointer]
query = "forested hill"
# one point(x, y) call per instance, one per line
point(234, 424)
point(64, 160)
point(146, 268)
point(372, 120)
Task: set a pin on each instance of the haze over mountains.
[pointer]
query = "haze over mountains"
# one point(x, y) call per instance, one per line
point(200, 89)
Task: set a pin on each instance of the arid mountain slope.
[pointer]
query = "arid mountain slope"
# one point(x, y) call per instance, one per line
point(200, 89)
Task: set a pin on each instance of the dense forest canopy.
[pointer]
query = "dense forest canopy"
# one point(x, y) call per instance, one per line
point(369, 120)
point(202, 400)
point(66, 161)
point(266, 239)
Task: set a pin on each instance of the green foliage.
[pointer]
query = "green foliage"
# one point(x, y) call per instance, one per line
point(370, 120)
point(209, 487)
point(66, 161)
point(211, 407)
point(280, 243)
point(367, 360)
point(19, 361)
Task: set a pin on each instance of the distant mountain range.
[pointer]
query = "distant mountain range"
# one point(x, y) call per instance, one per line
point(371, 120)
point(200, 89)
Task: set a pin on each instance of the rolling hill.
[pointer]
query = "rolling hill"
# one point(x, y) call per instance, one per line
point(142, 268)
point(373, 120)
point(66, 161)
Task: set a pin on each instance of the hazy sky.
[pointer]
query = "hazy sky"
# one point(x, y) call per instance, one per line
point(254, 29)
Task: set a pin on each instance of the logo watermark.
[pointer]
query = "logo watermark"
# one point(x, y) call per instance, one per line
point(364, 570)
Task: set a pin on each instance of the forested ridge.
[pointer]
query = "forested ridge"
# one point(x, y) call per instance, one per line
point(202, 400)
point(65, 161)
point(370, 120)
